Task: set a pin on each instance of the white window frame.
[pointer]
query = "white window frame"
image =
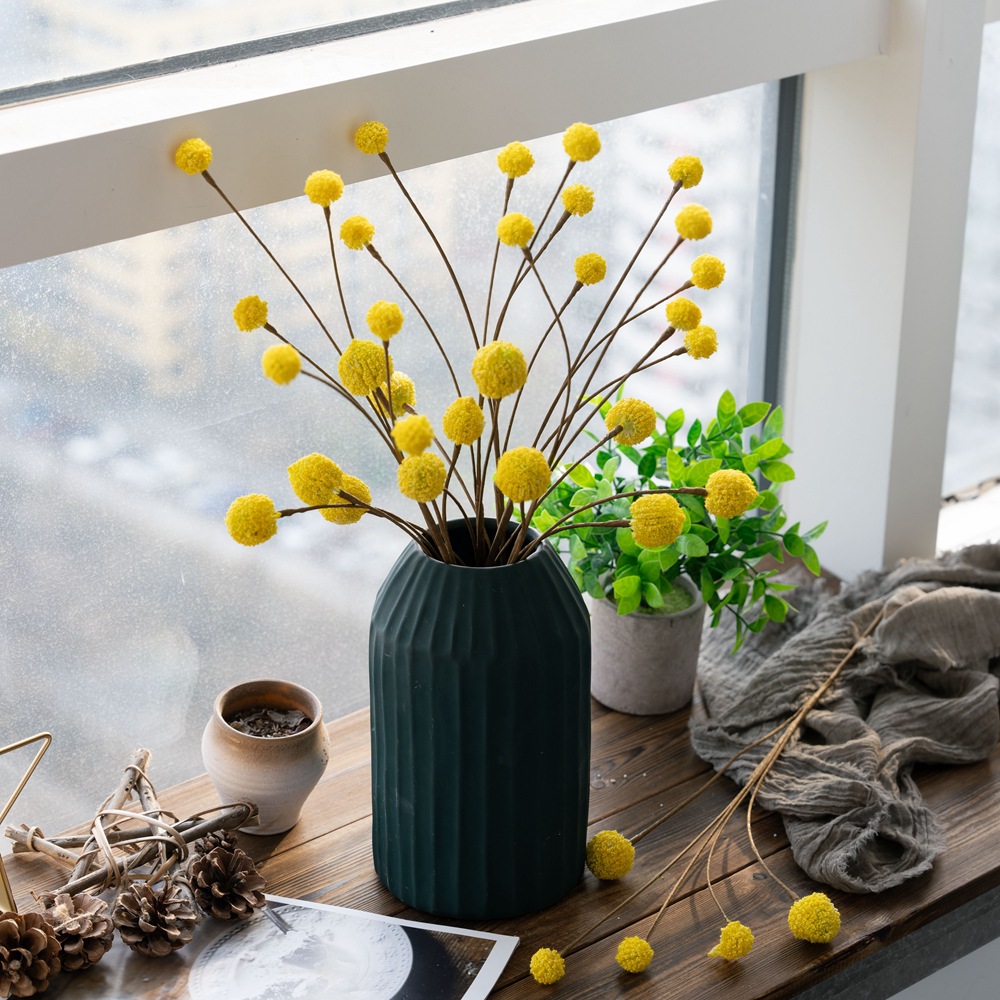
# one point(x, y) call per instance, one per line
point(878, 242)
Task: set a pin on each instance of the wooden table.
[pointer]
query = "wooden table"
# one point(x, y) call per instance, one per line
point(640, 767)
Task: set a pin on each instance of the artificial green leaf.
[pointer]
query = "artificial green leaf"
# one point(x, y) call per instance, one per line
point(778, 472)
point(668, 556)
point(767, 499)
point(727, 406)
point(768, 449)
point(694, 432)
point(753, 413)
point(610, 467)
point(647, 465)
point(625, 542)
point(651, 595)
point(676, 470)
point(605, 489)
point(794, 545)
point(582, 497)
point(577, 549)
point(750, 463)
point(692, 546)
point(631, 454)
point(674, 422)
point(697, 474)
point(722, 527)
point(813, 533)
point(759, 587)
point(707, 585)
point(811, 561)
point(582, 476)
point(649, 568)
point(603, 405)
point(628, 604)
point(626, 586)
point(694, 506)
point(775, 608)
point(774, 424)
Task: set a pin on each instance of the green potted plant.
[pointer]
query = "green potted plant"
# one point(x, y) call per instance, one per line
point(648, 604)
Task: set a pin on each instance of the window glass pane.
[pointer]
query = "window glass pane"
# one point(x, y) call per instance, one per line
point(133, 412)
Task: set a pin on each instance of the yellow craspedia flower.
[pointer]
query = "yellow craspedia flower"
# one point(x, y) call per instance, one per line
point(421, 477)
point(686, 171)
point(730, 493)
point(610, 855)
point(341, 513)
point(707, 271)
point(814, 918)
point(683, 314)
point(362, 367)
point(634, 954)
point(693, 222)
point(371, 138)
point(356, 232)
point(581, 142)
point(735, 941)
point(701, 342)
point(499, 369)
point(590, 268)
point(315, 478)
point(413, 434)
point(252, 519)
point(522, 474)
point(323, 187)
point(193, 156)
point(547, 966)
point(515, 159)
point(636, 418)
point(281, 363)
point(404, 393)
point(657, 520)
point(578, 199)
point(515, 229)
point(463, 421)
point(384, 319)
point(250, 313)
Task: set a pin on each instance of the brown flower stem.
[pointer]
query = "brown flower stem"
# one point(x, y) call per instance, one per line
point(336, 271)
point(500, 542)
point(390, 414)
point(756, 852)
point(352, 501)
point(452, 462)
point(659, 302)
point(496, 256)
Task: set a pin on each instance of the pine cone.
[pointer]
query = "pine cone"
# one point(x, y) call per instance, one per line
point(227, 884)
point(218, 838)
point(155, 922)
point(29, 954)
point(83, 927)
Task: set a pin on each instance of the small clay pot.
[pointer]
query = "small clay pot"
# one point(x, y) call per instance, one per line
point(276, 773)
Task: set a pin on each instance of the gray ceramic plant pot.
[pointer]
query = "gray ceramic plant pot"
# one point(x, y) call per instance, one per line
point(645, 664)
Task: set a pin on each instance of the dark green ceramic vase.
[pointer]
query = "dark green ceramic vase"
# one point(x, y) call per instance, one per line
point(480, 716)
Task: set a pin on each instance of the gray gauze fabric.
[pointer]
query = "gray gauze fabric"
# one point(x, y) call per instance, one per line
point(919, 689)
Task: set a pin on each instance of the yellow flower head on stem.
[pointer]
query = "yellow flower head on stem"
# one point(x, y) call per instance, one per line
point(193, 156)
point(385, 319)
point(522, 474)
point(637, 420)
point(356, 232)
point(515, 230)
point(707, 271)
point(657, 520)
point(421, 477)
point(515, 159)
point(362, 367)
point(413, 434)
point(372, 138)
point(547, 966)
point(634, 954)
point(315, 478)
point(499, 368)
point(581, 142)
point(252, 519)
point(730, 493)
point(610, 855)
point(578, 199)
point(250, 313)
point(404, 393)
point(693, 222)
point(686, 171)
point(463, 421)
point(281, 363)
point(342, 514)
point(683, 314)
point(590, 268)
point(323, 187)
point(814, 918)
point(701, 342)
point(735, 941)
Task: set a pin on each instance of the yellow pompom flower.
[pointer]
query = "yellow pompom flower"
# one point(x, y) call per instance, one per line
point(636, 418)
point(814, 918)
point(250, 313)
point(362, 367)
point(522, 474)
point(413, 434)
point(610, 855)
point(463, 421)
point(515, 229)
point(515, 159)
point(281, 363)
point(371, 138)
point(578, 199)
point(701, 342)
point(315, 478)
point(686, 171)
point(735, 941)
point(404, 393)
point(385, 319)
point(323, 187)
point(730, 493)
point(634, 954)
point(193, 156)
point(252, 519)
point(547, 966)
point(657, 519)
point(683, 314)
point(421, 477)
point(341, 513)
point(707, 271)
point(581, 142)
point(356, 232)
point(590, 268)
point(693, 222)
point(499, 369)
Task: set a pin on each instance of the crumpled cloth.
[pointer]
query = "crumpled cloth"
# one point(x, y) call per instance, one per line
point(921, 688)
